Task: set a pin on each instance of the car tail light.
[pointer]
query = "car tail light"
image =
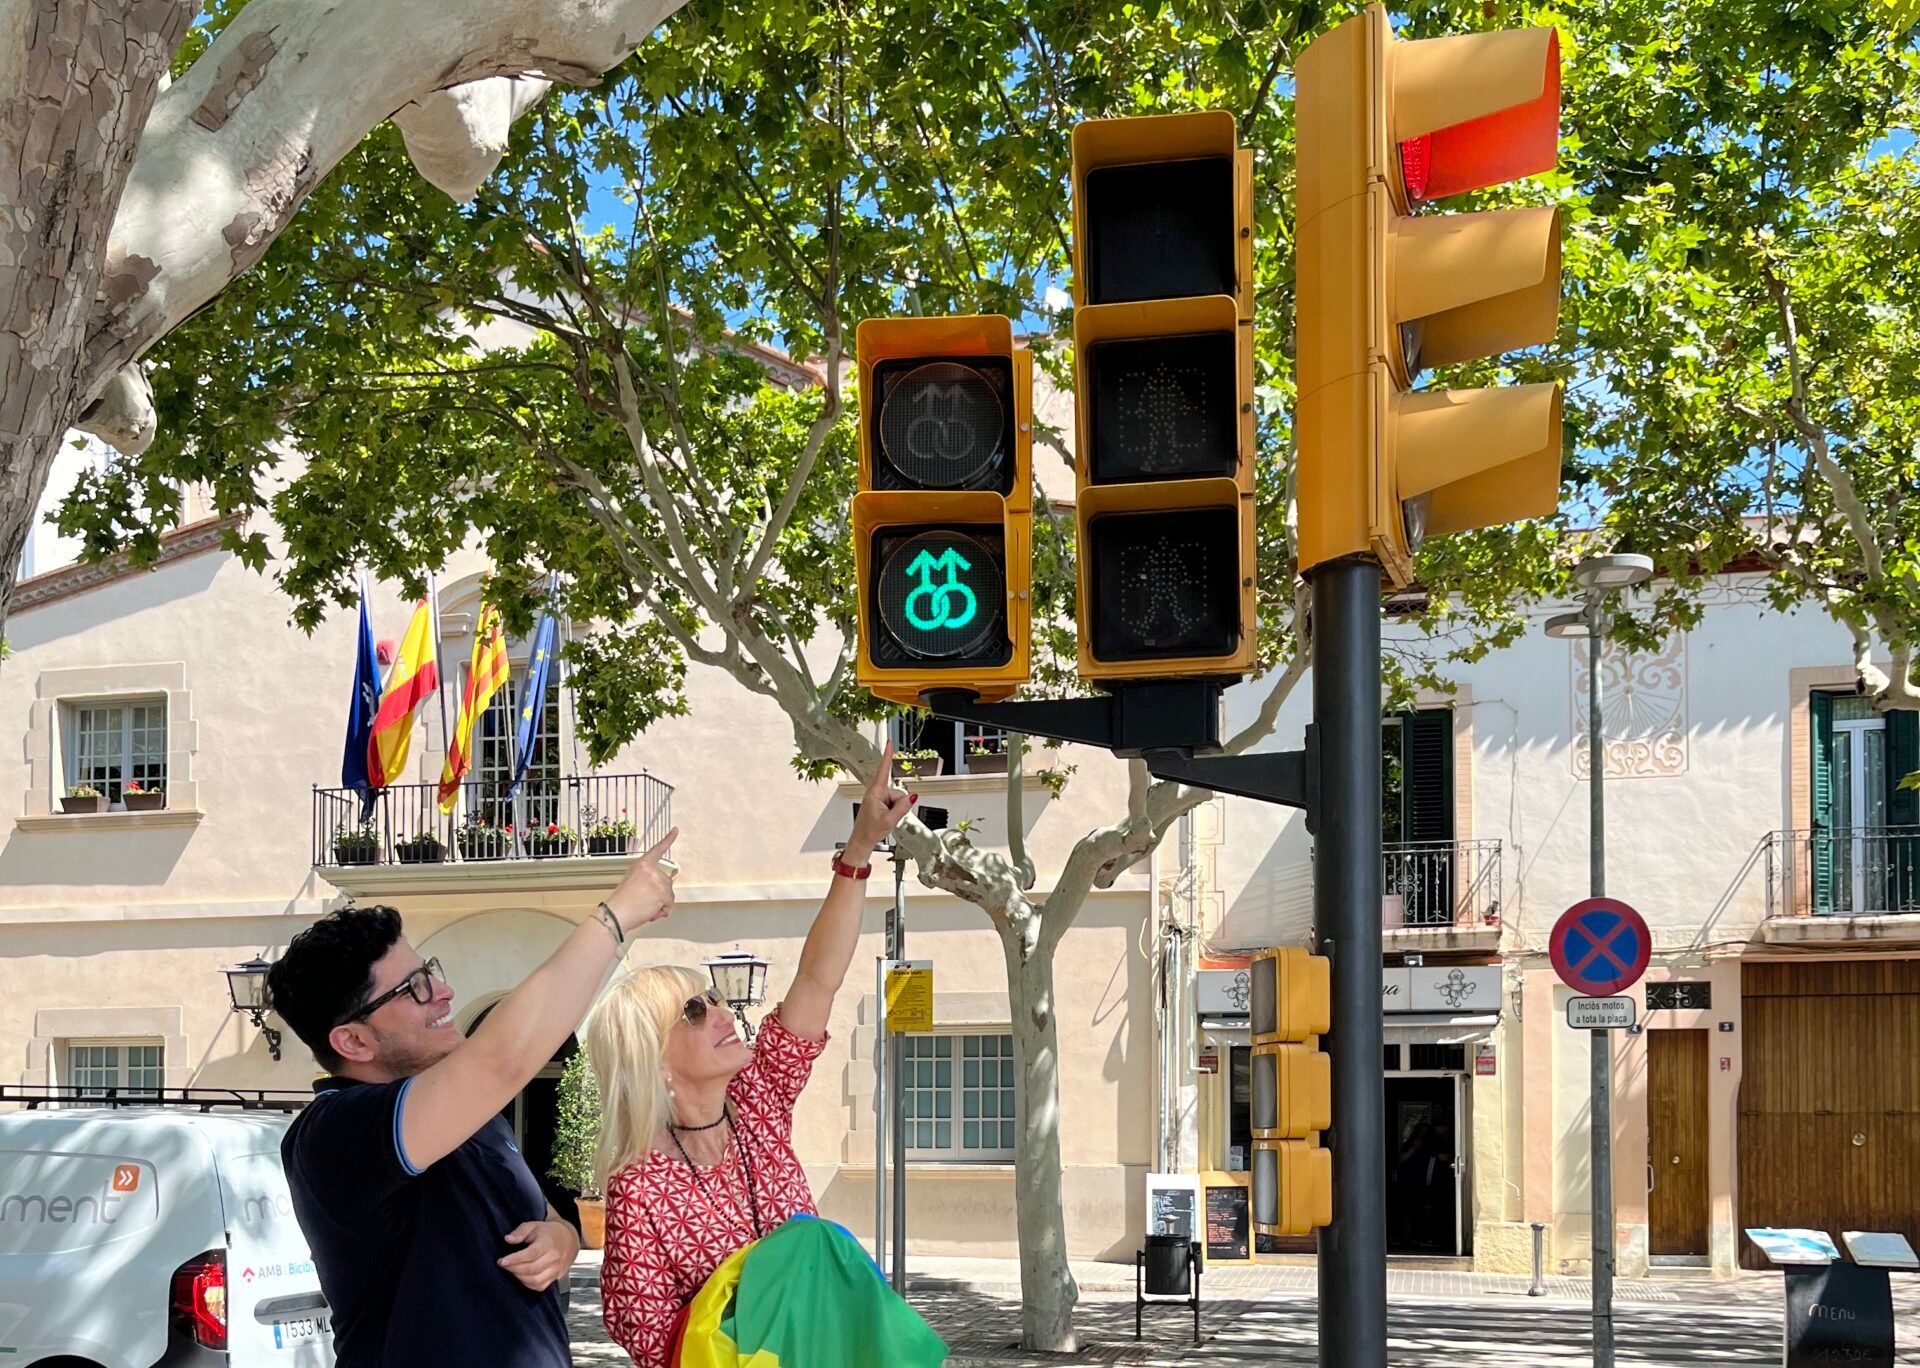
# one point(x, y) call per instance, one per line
point(198, 1305)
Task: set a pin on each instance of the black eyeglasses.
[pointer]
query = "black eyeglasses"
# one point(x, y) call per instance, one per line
point(418, 985)
point(694, 1009)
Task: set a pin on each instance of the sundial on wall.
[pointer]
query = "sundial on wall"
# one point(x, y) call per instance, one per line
point(1643, 710)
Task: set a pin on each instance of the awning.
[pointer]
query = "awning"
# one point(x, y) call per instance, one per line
point(1437, 1028)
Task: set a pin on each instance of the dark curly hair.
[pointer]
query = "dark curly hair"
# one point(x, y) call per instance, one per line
point(327, 973)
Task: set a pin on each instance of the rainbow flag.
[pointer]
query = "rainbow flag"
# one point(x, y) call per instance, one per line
point(414, 675)
point(804, 1296)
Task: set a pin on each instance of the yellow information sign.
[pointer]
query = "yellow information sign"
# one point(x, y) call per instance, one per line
point(910, 995)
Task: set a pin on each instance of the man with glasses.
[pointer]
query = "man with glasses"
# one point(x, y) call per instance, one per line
point(431, 1237)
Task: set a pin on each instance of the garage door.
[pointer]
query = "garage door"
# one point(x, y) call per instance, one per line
point(1830, 1098)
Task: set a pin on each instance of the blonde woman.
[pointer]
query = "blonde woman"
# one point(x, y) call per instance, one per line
point(696, 1135)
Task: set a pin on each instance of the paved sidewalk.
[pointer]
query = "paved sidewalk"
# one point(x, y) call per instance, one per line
point(1266, 1315)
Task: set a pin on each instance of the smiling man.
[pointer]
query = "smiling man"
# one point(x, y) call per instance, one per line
point(433, 1242)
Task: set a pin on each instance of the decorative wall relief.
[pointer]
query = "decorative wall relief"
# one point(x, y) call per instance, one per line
point(1643, 711)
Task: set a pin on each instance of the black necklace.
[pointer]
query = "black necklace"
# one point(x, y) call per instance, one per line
point(691, 1130)
point(746, 1169)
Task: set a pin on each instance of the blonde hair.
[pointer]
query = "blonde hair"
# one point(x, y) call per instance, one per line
point(626, 1039)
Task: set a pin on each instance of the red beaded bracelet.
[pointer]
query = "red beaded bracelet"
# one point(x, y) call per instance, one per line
point(847, 871)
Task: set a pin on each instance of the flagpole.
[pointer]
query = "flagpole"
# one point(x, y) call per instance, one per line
point(439, 660)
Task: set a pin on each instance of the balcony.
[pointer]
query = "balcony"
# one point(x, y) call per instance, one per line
point(1440, 895)
point(1854, 886)
point(571, 833)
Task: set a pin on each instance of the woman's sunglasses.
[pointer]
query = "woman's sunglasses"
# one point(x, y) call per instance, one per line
point(694, 1009)
point(418, 985)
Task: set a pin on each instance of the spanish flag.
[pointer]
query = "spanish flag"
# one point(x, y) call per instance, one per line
point(486, 673)
point(803, 1296)
point(414, 675)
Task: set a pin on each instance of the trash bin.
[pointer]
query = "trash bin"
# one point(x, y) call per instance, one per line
point(1169, 1267)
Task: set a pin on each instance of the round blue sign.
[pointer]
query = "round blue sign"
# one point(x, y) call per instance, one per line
point(1600, 947)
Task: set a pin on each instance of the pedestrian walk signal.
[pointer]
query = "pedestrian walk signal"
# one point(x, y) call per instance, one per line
point(1163, 359)
point(942, 519)
point(1291, 1086)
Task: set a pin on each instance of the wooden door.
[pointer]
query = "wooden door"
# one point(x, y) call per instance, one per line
point(1677, 1141)
point(1830, 1098)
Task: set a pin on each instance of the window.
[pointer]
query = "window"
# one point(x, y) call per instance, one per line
point(963, 747)
point(958, 1113)
point(494, 770)
point(1865, 846)
point(110, 745)
point(1678, 995)
point(1416, 819)
point(97, 1065)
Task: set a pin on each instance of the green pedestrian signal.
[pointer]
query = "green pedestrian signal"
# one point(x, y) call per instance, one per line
point(941, 592)
point(939, 612)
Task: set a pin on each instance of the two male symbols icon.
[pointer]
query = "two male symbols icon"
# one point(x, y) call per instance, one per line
point(940, 609)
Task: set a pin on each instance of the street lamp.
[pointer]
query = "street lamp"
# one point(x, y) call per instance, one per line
point(1602, 577)
point(740, 978)
point(247, 989)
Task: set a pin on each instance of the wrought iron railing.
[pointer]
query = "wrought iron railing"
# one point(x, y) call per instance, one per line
point(549, 817)
point(1444, 883)
point(1843, 871)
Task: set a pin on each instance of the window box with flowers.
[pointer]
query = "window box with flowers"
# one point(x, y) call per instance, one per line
point(916, 764)
point(607, 836)
point(983, 757)
point(356, 844)
point(140, 797)
point(477, 839)
point(422, 848)
point(552, 843)
point(83, 798)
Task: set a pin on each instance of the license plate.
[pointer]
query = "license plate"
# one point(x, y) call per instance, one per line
point(289, 1334)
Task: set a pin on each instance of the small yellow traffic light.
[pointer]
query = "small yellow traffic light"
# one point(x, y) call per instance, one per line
point(1383, 294)
point(1292, 1091)
point(1163, 386)
point(942, 521)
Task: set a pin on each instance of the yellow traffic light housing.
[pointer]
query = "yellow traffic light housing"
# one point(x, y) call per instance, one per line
point(1163, 360)
point(942, 522)
point(1383, 294)
point(1290, 1007)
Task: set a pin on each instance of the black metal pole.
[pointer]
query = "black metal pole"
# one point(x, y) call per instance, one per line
point(1346, 920)
point(896, 1062)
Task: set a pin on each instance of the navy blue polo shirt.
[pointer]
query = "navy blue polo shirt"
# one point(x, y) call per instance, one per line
point(407, 1257)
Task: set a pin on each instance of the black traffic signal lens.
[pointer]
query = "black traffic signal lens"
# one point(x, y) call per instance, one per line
point(941, 594)
point(1164, 408)
point(944, 424)
point(1266, 1186)
point(1263, 1084)
point(1165, 583)
point(1160, 231)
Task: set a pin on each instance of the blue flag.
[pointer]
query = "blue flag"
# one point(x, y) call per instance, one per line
point(360, 714)
point(533, 697)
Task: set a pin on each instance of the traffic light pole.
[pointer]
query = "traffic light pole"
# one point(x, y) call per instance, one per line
point(1346, 921)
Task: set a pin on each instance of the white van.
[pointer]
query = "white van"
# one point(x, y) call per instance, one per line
point(140, 1235)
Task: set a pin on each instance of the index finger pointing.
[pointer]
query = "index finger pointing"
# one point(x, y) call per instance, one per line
point(653, 855)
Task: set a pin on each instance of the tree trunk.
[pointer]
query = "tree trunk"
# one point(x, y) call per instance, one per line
point(1048, 1293)
point(79, 79)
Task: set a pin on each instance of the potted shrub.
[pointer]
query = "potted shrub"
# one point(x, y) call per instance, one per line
point(422, 848)
point(916, 764)
point(985, 758)
point(555, 841)
point(141, 797)
point(83, 798)
point(356, 843)
point(576, 1131)
point(477, 839)
point(605, 837)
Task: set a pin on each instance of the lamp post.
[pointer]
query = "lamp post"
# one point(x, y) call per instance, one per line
point(247, 990)
point(1601, 577)
point(740, 978)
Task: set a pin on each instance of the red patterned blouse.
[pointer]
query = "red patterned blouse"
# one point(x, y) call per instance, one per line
point(666, 1233)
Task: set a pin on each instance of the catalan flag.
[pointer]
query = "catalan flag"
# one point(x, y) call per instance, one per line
point(415, 674)
point(486, 673)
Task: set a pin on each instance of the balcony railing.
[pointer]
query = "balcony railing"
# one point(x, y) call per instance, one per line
point(1843, 872)
point(550, 817)
point(1444, 883)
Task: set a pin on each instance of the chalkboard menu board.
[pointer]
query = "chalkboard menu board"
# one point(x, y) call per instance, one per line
point(1229, 1222)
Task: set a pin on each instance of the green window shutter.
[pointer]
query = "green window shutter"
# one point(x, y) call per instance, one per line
point(1820, 708)
point(1903, 810)
point(1428, 738)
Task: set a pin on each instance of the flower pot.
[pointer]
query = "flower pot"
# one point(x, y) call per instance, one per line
point(421, 854)
point(904, 770)
point(144, 802)
point(608, 845)
point(355, 853)
point(548, 847)
point(593, 1222)
point(97, 803)
point(486, 852)
point(987, 764)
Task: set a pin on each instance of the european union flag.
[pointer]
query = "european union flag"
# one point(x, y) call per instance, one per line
point(360, 714)
point(533, 696)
